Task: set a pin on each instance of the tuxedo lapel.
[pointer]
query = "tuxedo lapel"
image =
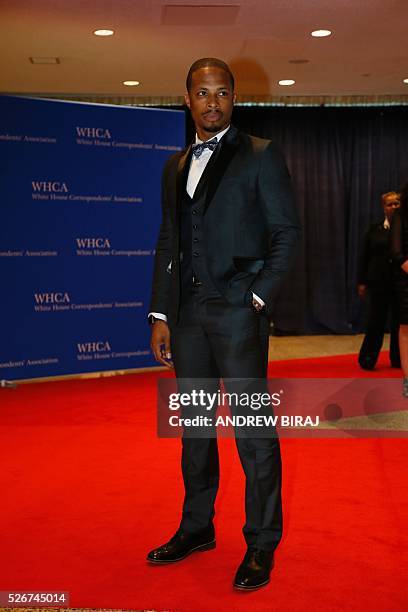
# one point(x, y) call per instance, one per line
point(213, 172)
point(228, 148)
point(181, 179)
point(203, 183)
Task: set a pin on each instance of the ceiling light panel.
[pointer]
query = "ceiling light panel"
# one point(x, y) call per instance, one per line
point(199, 15)
point(45, 60)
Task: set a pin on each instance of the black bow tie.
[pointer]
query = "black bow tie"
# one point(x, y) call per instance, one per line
point(199, 148)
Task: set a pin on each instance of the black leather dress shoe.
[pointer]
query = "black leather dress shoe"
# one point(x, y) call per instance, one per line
point(254, 570)
point(367, 366)
point(181, 545)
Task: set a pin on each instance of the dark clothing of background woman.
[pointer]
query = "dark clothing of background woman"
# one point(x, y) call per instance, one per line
point(376, 274)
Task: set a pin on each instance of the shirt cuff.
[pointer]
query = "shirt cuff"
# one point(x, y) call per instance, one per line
point(158, 315)
point(258, 299)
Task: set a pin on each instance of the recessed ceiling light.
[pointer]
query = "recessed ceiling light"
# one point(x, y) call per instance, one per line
point(104, 32)
point(405, 81)
point(287, 82)
point(320, 33)
point(131, 83)
point(44, 60)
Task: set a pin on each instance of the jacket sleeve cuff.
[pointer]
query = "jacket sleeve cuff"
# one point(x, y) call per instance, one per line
point(258, 299)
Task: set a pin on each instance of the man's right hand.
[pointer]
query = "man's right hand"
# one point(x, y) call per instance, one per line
point(160, 343)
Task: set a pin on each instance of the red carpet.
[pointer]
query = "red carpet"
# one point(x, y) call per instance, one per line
point(341, 366)
point(87, 489)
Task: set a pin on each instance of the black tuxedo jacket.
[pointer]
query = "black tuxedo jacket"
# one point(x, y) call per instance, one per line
point(250, 222)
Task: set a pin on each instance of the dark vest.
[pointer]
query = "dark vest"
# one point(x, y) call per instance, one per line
point(192, 243)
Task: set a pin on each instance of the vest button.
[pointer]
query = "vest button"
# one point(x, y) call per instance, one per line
point(195, 240)
point(196, 253)
point(193, 212)
point(195, 227)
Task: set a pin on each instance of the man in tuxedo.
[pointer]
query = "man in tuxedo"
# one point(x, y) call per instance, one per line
point(227, 237)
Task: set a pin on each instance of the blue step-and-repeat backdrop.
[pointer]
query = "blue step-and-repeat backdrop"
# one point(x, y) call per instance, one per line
point(80, 211)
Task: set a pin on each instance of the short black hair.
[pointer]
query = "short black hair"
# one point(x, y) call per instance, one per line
point(206, 62)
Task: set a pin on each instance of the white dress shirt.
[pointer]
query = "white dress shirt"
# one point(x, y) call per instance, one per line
point(197, 167)
point(198, 164)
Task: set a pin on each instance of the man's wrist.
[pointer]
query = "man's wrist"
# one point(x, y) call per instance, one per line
point(153, 317)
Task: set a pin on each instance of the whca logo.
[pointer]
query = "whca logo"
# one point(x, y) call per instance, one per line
point(93, 347)
point(93, 243)
point(49, 187)
point(56, 297)
point(93, 132)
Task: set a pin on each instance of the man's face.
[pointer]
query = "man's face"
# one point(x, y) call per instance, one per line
point(390, 206)
point(210, 101)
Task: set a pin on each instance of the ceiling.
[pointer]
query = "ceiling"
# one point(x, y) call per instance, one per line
point(155, 41)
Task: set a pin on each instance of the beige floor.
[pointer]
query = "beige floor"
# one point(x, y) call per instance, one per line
point(298, 347)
